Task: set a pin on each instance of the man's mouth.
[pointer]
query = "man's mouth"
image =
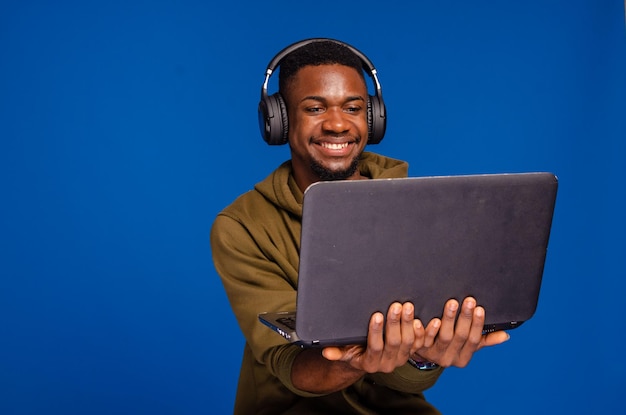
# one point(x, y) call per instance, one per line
point(334, 146)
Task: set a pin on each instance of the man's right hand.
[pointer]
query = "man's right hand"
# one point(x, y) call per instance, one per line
point(389, 345)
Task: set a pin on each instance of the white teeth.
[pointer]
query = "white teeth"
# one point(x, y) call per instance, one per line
point(334, 146)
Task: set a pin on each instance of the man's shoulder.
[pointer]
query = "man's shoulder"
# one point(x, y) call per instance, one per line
point(245, 205)
point(377, 166)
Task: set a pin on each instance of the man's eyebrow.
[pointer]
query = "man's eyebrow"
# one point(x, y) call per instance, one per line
point(356, 98)
point(313, 98)
point(322, 99)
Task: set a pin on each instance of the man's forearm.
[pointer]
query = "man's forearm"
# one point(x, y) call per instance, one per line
point(311, 372)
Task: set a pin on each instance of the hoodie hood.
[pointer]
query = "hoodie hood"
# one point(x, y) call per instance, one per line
point(280, 187)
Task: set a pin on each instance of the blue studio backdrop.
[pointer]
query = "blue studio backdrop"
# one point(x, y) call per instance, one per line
point(126, 126)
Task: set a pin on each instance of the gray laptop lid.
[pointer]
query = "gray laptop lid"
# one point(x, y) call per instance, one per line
point(368, 243)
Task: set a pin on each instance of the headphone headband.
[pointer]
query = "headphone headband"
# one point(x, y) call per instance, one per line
point(273, 120)
point(271, 67)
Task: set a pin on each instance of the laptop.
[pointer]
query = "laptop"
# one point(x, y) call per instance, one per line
point(368, 243)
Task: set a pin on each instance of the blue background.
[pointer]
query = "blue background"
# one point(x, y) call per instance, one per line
point(125, 126)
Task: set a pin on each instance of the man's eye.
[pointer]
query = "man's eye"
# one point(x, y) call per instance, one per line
point(353, 109)
point(315, 109)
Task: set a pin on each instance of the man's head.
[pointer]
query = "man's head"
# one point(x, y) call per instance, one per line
point(326, 99)
point(273, 120)
point(322, 109)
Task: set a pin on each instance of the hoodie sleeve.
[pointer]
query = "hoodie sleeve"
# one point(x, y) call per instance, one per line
point(408, 379)
point(253, 282)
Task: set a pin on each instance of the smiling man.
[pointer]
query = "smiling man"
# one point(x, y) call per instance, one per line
point(327, 118)
point(328, 129)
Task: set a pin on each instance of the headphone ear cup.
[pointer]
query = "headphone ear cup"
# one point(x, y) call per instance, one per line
point(284, 137)
point(273, 121)
point(376, 119)
point(369, 120)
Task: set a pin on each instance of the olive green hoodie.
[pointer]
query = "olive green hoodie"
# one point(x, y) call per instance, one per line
point(255, 246)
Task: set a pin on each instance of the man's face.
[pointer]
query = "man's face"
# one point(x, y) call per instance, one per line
point(327, 109)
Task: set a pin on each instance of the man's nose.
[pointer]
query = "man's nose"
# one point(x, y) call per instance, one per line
point(335, 121)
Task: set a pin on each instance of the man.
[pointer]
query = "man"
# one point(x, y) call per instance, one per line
point(255, 244)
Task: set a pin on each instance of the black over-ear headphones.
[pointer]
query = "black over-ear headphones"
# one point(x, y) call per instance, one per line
point(273, 120)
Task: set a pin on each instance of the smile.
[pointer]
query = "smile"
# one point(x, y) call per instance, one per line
point(334, 146)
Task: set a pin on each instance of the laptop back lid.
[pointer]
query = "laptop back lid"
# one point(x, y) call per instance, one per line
point(368, 243)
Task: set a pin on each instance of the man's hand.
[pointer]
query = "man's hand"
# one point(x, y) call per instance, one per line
point(449, 341)
point(459, 338)
point(390, 344)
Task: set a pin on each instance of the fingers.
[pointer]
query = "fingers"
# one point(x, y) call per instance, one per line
point(370, 359)
point(344, 353)
point(432, 330)
point(399, 336)
point(393, 338)
point(332, 353)
point(476, 329)
point(420, 336)
point(408, 334)
point(459, 336)
point(447, 330)
point(449, 341)
point(495, 338)
point(390, 344)
point(393, 329)
point(469, 331)
point(358, 356)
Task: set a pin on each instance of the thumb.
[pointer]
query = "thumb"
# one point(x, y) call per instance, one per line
point(497, 337)
point(332, 353)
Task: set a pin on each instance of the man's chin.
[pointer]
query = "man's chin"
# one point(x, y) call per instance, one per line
point(328, 174)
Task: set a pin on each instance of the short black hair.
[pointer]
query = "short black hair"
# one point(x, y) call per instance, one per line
point(323, 52)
